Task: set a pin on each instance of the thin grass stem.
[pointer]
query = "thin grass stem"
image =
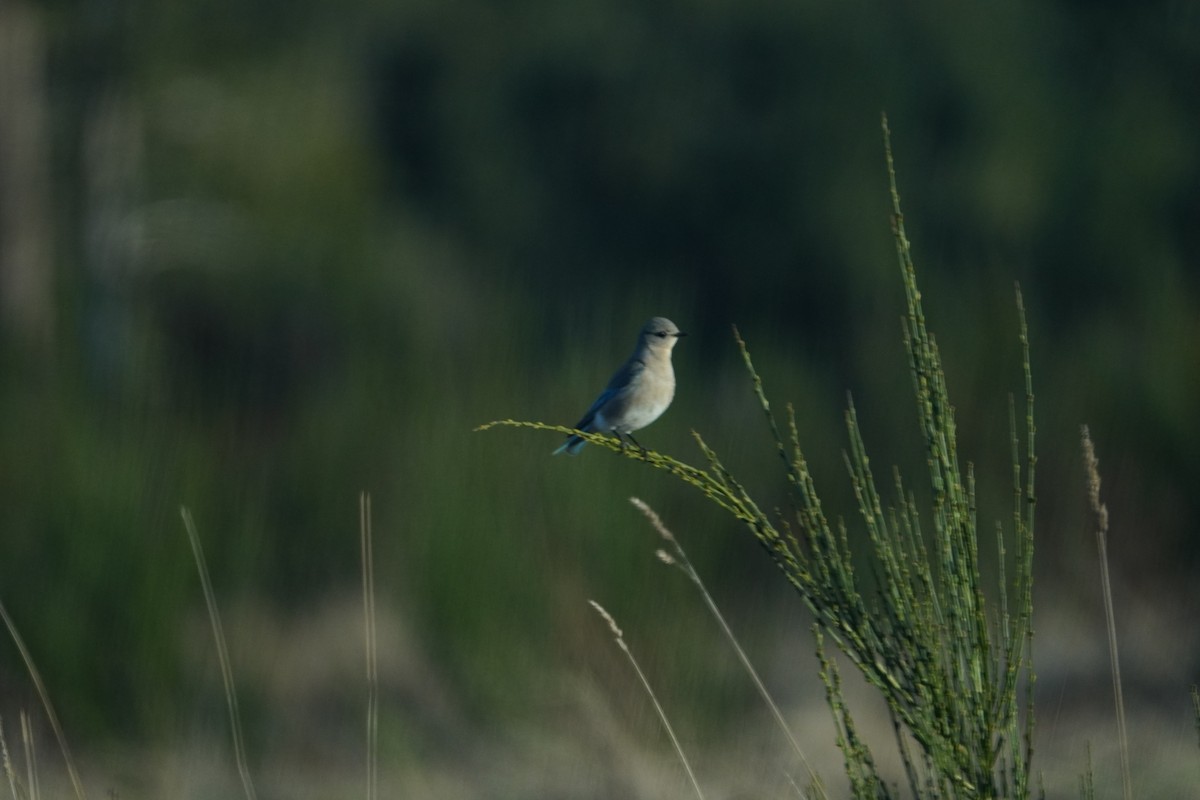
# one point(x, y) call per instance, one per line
point(31, 771)
point(44, 696)
point(662, 715)
point(1092, 465)
point(681, 561)
point(1196, 709)
point(214, 616)
point(9, 772)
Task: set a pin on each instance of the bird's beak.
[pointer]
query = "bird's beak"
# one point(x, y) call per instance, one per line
point(681, 333)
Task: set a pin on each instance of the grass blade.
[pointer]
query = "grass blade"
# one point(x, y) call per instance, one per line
point(681, 560)
point(368, 575)
point(1092, 464)
point(214, 616)
point(36, 677)
point(662, 715)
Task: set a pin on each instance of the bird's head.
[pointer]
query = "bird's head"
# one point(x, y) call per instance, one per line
point(659, 333)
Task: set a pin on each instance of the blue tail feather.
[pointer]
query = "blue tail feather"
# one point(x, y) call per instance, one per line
point(571, 446)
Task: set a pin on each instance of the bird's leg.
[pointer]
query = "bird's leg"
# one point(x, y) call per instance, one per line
point(636, 443)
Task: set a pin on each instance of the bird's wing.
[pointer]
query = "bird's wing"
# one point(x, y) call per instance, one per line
point(626, 376)
point(621, 382)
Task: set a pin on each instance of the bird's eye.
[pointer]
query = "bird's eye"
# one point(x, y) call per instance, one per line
point(661, 334)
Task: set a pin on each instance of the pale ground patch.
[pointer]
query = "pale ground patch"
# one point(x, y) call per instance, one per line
point(306, 676)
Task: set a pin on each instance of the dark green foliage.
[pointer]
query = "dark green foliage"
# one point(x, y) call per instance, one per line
point(278, 233)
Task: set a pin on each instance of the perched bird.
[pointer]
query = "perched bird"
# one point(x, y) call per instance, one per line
point(638, 393)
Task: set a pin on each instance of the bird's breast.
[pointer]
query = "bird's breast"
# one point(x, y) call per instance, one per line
point(646, 403)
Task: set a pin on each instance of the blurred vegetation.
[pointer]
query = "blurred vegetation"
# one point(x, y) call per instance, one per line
point(294, 251)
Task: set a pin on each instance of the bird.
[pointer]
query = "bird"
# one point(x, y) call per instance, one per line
point(638, 392)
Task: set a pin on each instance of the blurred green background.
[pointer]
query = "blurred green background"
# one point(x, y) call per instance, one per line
point(258, 257)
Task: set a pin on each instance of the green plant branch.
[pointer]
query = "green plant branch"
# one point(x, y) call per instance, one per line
point(947, 662)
